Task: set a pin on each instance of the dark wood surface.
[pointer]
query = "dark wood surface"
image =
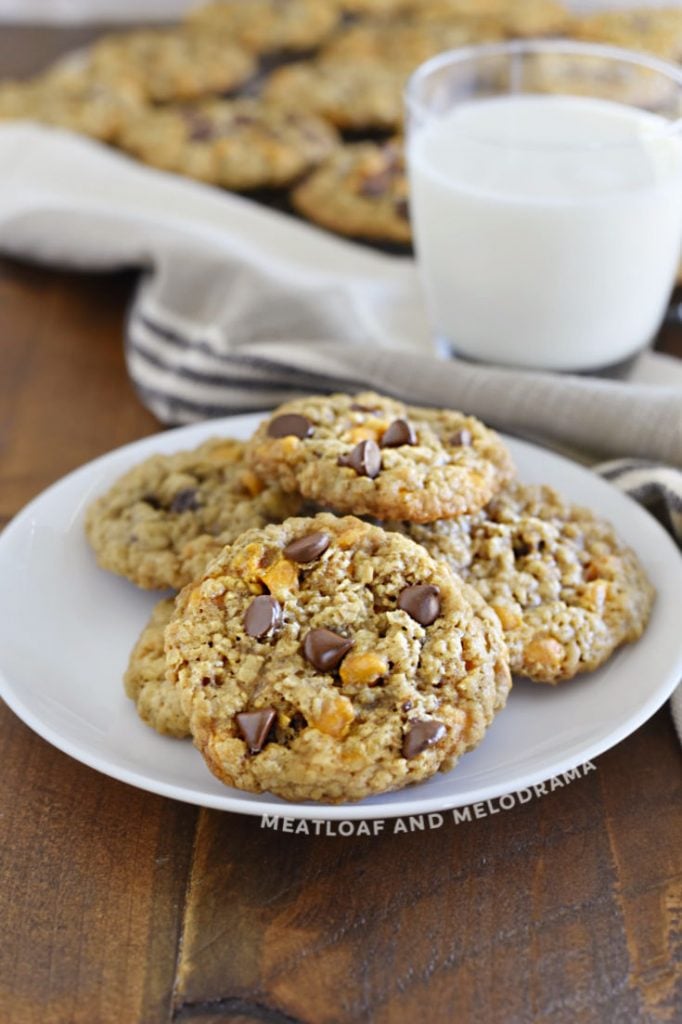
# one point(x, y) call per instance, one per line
point(121, 907)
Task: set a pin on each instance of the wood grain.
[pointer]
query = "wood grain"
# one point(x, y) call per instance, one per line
point(94, 876)
point(94, 872)
point(65, 396)
point(520, 916)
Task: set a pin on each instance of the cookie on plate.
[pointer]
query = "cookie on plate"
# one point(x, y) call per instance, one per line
point(156, 698)
point(269, 26)
point(327, 659)
point(240, 144)
point(371, 455)
point(360, 191)
point(162, 521)
point(567, 591)
point(353, 96)
point(174, 64)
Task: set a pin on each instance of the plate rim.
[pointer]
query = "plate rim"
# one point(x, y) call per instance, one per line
point(355, 811)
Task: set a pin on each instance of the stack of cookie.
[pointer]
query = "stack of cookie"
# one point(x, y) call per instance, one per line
point(302, 96)
point(358, 582)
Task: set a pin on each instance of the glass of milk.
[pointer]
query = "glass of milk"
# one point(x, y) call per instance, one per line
point(546, 200)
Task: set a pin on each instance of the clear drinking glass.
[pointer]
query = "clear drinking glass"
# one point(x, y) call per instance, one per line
point(546, 200)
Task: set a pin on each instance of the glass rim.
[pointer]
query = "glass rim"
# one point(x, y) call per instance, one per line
point(559, 46)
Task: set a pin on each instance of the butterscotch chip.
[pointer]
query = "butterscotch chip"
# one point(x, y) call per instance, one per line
point(544, 654)
point(360, 191)
point(162, 522)
point(240, 144)
point(156, 698)
point(355, 695)
point(363, 669)
point(566, 590)
point(423, 479)
point(268, 26)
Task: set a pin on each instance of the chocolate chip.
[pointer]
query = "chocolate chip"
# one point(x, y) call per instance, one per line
point(421, 735)
point(308, 548)
point(255, 726)
point(199, 128)
point(298, 723)
point(152, 501)
point(263, 615)
point(356, 407)
point(406, 705)
point(421, 602)
point(402, 208)
point(365, 459)
point(325, 650)
point(398, 433)
point(290, 425)
point(521, 549)
point(185, 501)
point(461, 438)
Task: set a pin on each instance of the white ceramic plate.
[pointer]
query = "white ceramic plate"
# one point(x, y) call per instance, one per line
point(67, 627)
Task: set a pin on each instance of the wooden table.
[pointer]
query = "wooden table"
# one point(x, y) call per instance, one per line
point(121, 907)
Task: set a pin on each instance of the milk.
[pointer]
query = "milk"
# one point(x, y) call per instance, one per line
point(547, 228)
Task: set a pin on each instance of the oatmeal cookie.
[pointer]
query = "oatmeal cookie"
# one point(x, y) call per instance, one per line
point(241, 144)
point(269, 26)
point(657, 30)
point(174, 64)
point(353, 96)
point(380, 8)
point(360, 191)
point(529, 18)
point(74, 98)
point(371, 455)
point(567, 591)
point(596, 77)
point(399, 46)
point(157, 700)
point(327, 659)
point(162, 522)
